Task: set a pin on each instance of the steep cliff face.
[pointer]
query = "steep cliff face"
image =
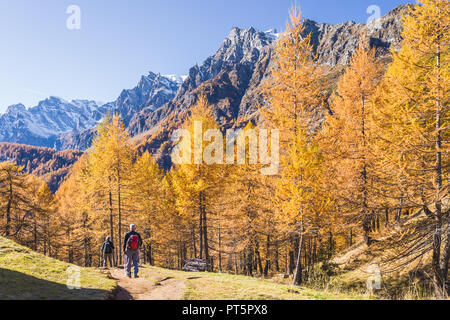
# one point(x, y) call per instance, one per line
point(151, 92)
point(240, 48)
point(335, 44)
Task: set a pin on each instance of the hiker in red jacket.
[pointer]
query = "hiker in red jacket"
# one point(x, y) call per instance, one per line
point(132, 242)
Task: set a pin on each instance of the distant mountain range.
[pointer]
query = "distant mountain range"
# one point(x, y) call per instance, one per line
point(54, 120)
point(51, 118)
point(231, 79)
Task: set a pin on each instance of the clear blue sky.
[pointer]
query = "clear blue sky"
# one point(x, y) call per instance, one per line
point(120, 40)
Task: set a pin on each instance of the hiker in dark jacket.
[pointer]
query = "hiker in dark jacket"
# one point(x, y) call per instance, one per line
point(132, 242)
point(107, 251)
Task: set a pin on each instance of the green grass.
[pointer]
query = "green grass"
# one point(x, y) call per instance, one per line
point(25, 274)
point(221, 286)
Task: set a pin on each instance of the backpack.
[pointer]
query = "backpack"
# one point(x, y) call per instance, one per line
point(108, 247)
point(133, 242)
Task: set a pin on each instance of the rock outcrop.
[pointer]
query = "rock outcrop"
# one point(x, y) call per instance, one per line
point(196, 265)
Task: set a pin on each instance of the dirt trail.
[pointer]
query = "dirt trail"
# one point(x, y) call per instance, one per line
point(143, 289)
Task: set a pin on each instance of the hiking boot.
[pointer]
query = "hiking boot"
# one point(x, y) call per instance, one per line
point(129, 275)
point(136, 276)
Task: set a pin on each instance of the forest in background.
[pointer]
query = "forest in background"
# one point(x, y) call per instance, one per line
point(350, 169)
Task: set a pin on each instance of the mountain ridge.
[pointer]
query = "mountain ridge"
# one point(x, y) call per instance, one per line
point(53, 119)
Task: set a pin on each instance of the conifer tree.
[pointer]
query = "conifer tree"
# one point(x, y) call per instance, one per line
point(174, 231)
point(44, 227)
point(78, 215)
point(248, 224)
point(413, 123)
point(197, 184)
point(146, 194)
point(296, 91)
point(296, 96)
point(348, 138)
point(14, 198)
point(110, 160)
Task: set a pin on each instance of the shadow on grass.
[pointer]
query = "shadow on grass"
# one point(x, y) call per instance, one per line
point(18, 286)
point(121, 294)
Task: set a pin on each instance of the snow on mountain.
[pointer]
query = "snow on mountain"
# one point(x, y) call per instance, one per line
point(273, 33)
point(152, 91)
point(48, 123)
point(52, 117)
point(241, 47)
point(175, 78)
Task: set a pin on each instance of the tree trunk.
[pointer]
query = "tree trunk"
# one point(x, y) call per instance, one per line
point(298, 269)
point(315, 250)
point(399, 211)
point(200, 199)
point(387, 216)
point(440, 282)
point(267, 265)
point(243, 259)
point(235, 264)
point(366, 228)
point(330, 246)
point(258, 258)
point(111, 226)
point(149, 254)
point(276, 258)
point(365, 209)
point(205, 232)
point(119, 212)
point(8, 210)
point(219, 266)
point(35, 236)
point(249, 261)
point(291, 262)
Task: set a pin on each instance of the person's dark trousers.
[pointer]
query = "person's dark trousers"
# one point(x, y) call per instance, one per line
point(108, 257)
point(132, 258)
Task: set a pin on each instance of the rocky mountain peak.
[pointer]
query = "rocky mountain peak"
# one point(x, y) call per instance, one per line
point(335, 44)
point(243, 45)
point(240, 47)
point(16, 109)
point(43, 124)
